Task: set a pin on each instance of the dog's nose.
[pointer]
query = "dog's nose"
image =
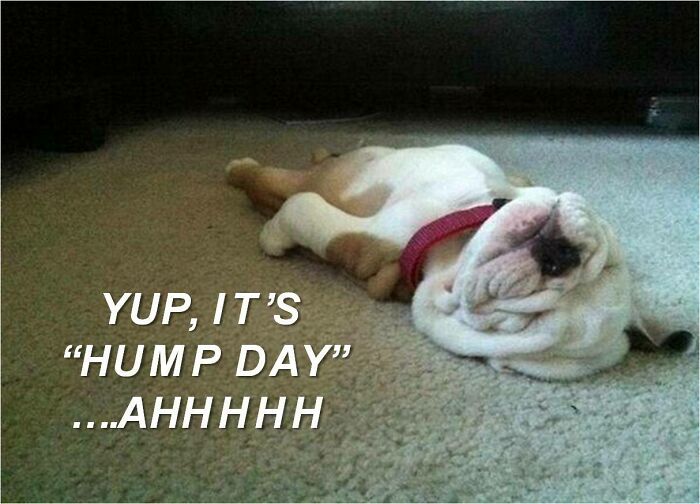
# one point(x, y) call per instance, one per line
point(556, 256)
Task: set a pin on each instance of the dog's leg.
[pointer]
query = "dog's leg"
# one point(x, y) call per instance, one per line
point(308, 220)
point(267, 187)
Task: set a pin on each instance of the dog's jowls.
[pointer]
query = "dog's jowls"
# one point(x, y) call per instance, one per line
point(541, 287)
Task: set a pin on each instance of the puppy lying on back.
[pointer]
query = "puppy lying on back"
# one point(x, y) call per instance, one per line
point(531, 280)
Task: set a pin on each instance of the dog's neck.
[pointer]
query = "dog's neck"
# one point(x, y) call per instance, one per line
point(436, 231)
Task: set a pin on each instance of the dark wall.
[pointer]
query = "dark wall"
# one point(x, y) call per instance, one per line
point(151, 52)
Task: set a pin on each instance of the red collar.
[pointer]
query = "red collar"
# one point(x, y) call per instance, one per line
point(416, 251)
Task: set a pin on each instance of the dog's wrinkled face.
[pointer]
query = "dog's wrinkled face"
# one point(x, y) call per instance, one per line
point(534, 249)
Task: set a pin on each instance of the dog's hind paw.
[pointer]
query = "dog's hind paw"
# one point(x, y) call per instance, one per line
point(273, 240)
point(247, 162)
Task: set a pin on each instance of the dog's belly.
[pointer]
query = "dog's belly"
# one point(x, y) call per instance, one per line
point(454, 175)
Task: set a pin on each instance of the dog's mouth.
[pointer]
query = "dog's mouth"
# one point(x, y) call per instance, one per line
point(540, 232)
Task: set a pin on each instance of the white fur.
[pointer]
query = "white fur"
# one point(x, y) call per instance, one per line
point(483, 297)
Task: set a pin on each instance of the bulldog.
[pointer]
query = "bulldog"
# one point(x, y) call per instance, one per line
point(530, 280)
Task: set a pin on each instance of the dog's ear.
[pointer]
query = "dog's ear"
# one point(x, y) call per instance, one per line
point(677, 341)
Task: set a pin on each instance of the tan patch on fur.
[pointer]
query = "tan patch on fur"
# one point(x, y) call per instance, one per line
point(389, 284)
point(331, 179)
point(499, 189)
point(266, 187)
point(366, 203)
point(369, 259)
point(402, 291)
point(361, 254)
point(319, 155)
point(519, 180)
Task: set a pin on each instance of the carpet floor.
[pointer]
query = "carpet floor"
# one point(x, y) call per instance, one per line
point(402, 419)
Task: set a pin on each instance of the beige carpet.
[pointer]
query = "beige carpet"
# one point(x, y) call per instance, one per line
point(403, 420)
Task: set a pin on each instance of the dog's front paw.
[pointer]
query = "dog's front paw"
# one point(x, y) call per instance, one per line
point(273, 240)
point(500, 365)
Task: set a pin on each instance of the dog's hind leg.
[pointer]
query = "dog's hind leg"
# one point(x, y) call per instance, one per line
point(306, 219)
point(267, 187)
